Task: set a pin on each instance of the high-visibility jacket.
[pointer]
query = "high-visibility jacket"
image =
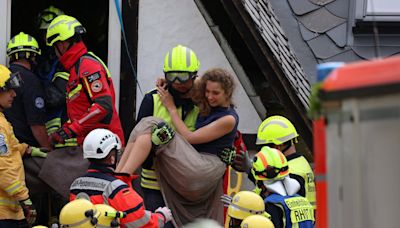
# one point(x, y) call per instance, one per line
point(12, 175)
point(297, 211)
point(148, 175)
point(101, 186)
point(300, 167)
point(90, 94)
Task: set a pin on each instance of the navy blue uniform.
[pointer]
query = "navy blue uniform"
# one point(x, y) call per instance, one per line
point(28, 107)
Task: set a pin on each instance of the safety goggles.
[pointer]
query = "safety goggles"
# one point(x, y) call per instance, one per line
point(180, 77)
point(45, 18)
point(14, 82)
point(271, 172)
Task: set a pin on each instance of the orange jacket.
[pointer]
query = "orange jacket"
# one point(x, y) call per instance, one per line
point(102, 186)
point(12, 183)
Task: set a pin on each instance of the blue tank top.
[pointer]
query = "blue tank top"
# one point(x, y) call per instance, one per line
point(214, 147)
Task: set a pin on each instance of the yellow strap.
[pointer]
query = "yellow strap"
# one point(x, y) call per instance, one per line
point(75, 91)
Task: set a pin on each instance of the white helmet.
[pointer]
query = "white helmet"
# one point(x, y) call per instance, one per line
point(99, 142)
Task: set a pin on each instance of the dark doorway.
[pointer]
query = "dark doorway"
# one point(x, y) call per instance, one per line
point(93, 14)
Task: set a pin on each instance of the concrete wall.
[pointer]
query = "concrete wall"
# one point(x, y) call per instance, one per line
point(163, 25)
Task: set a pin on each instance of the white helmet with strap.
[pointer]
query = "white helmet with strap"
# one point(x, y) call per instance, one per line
point(99, 142)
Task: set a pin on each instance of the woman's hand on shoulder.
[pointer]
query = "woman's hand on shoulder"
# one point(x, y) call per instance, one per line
point(166, 98)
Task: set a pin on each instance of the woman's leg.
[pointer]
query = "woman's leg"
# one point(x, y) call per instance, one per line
point(135, 154)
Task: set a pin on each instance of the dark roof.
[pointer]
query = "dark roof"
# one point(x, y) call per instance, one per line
point(326, 27)
point(274, 36)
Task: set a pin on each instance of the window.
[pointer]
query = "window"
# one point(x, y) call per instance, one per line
point(377, 10)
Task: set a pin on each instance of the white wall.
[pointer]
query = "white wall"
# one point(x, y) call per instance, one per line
point(163, 25)
point(5, 23)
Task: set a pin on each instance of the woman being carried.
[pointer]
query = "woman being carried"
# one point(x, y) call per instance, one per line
point(191, 182)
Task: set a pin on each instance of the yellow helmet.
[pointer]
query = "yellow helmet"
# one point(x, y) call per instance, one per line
point(269, 164)
point(62, 28)
point(8, 80)
point(109, 217)
point(181, 64)
point(276, 130)
point(79, 213)
point(39, 226)
point(256, 221)
point(22, 46)
point(47, 15)
point(246, 203)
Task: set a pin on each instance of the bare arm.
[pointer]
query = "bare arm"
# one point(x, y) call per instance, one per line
point(205, 134)
point(40, 134)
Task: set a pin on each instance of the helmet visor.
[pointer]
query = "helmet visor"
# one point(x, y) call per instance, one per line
point(180, 77)
point(14, 82)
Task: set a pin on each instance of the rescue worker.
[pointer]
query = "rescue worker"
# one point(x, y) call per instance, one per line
point(101, 185)
point(180, 70)
point(242, 205)
point(54, 78)
point(256, 221)
point(79, 213)
point(90, 91)
point(278, 132)
point(27, 114)
point(270, 172)
point(16, 209)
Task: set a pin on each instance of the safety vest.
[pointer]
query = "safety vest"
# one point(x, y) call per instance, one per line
point(54, 124)
point(298, 212)
point(301, 167)
point(148, 176)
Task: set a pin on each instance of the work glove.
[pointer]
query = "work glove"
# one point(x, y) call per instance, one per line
point(165, 212)
point(29, 210)
point(227, 155)
point(242, 162)
point(61, 135)
point(161, 134)
point(38, 152)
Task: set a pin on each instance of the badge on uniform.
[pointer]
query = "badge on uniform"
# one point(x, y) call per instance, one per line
point(39, 102)
point(3, 146)
point(93, 77)
point(96, 86)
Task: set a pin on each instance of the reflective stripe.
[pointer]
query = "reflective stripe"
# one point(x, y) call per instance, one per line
point(93, 56)
point(140, 222)
point(90, 183)
point(111, 187)
point(246, 209)
point(8, 202)
point(63, 75)
point(75, 91)
point(149, 179)
point(13, 188)
point(188, 57)
point(150, 184)
point(90, 115)
point(148, 173)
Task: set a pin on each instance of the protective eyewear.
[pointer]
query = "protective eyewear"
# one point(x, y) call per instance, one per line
point(180, 77)
point(45, 17)
point(271, 172)
point(14, 82)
